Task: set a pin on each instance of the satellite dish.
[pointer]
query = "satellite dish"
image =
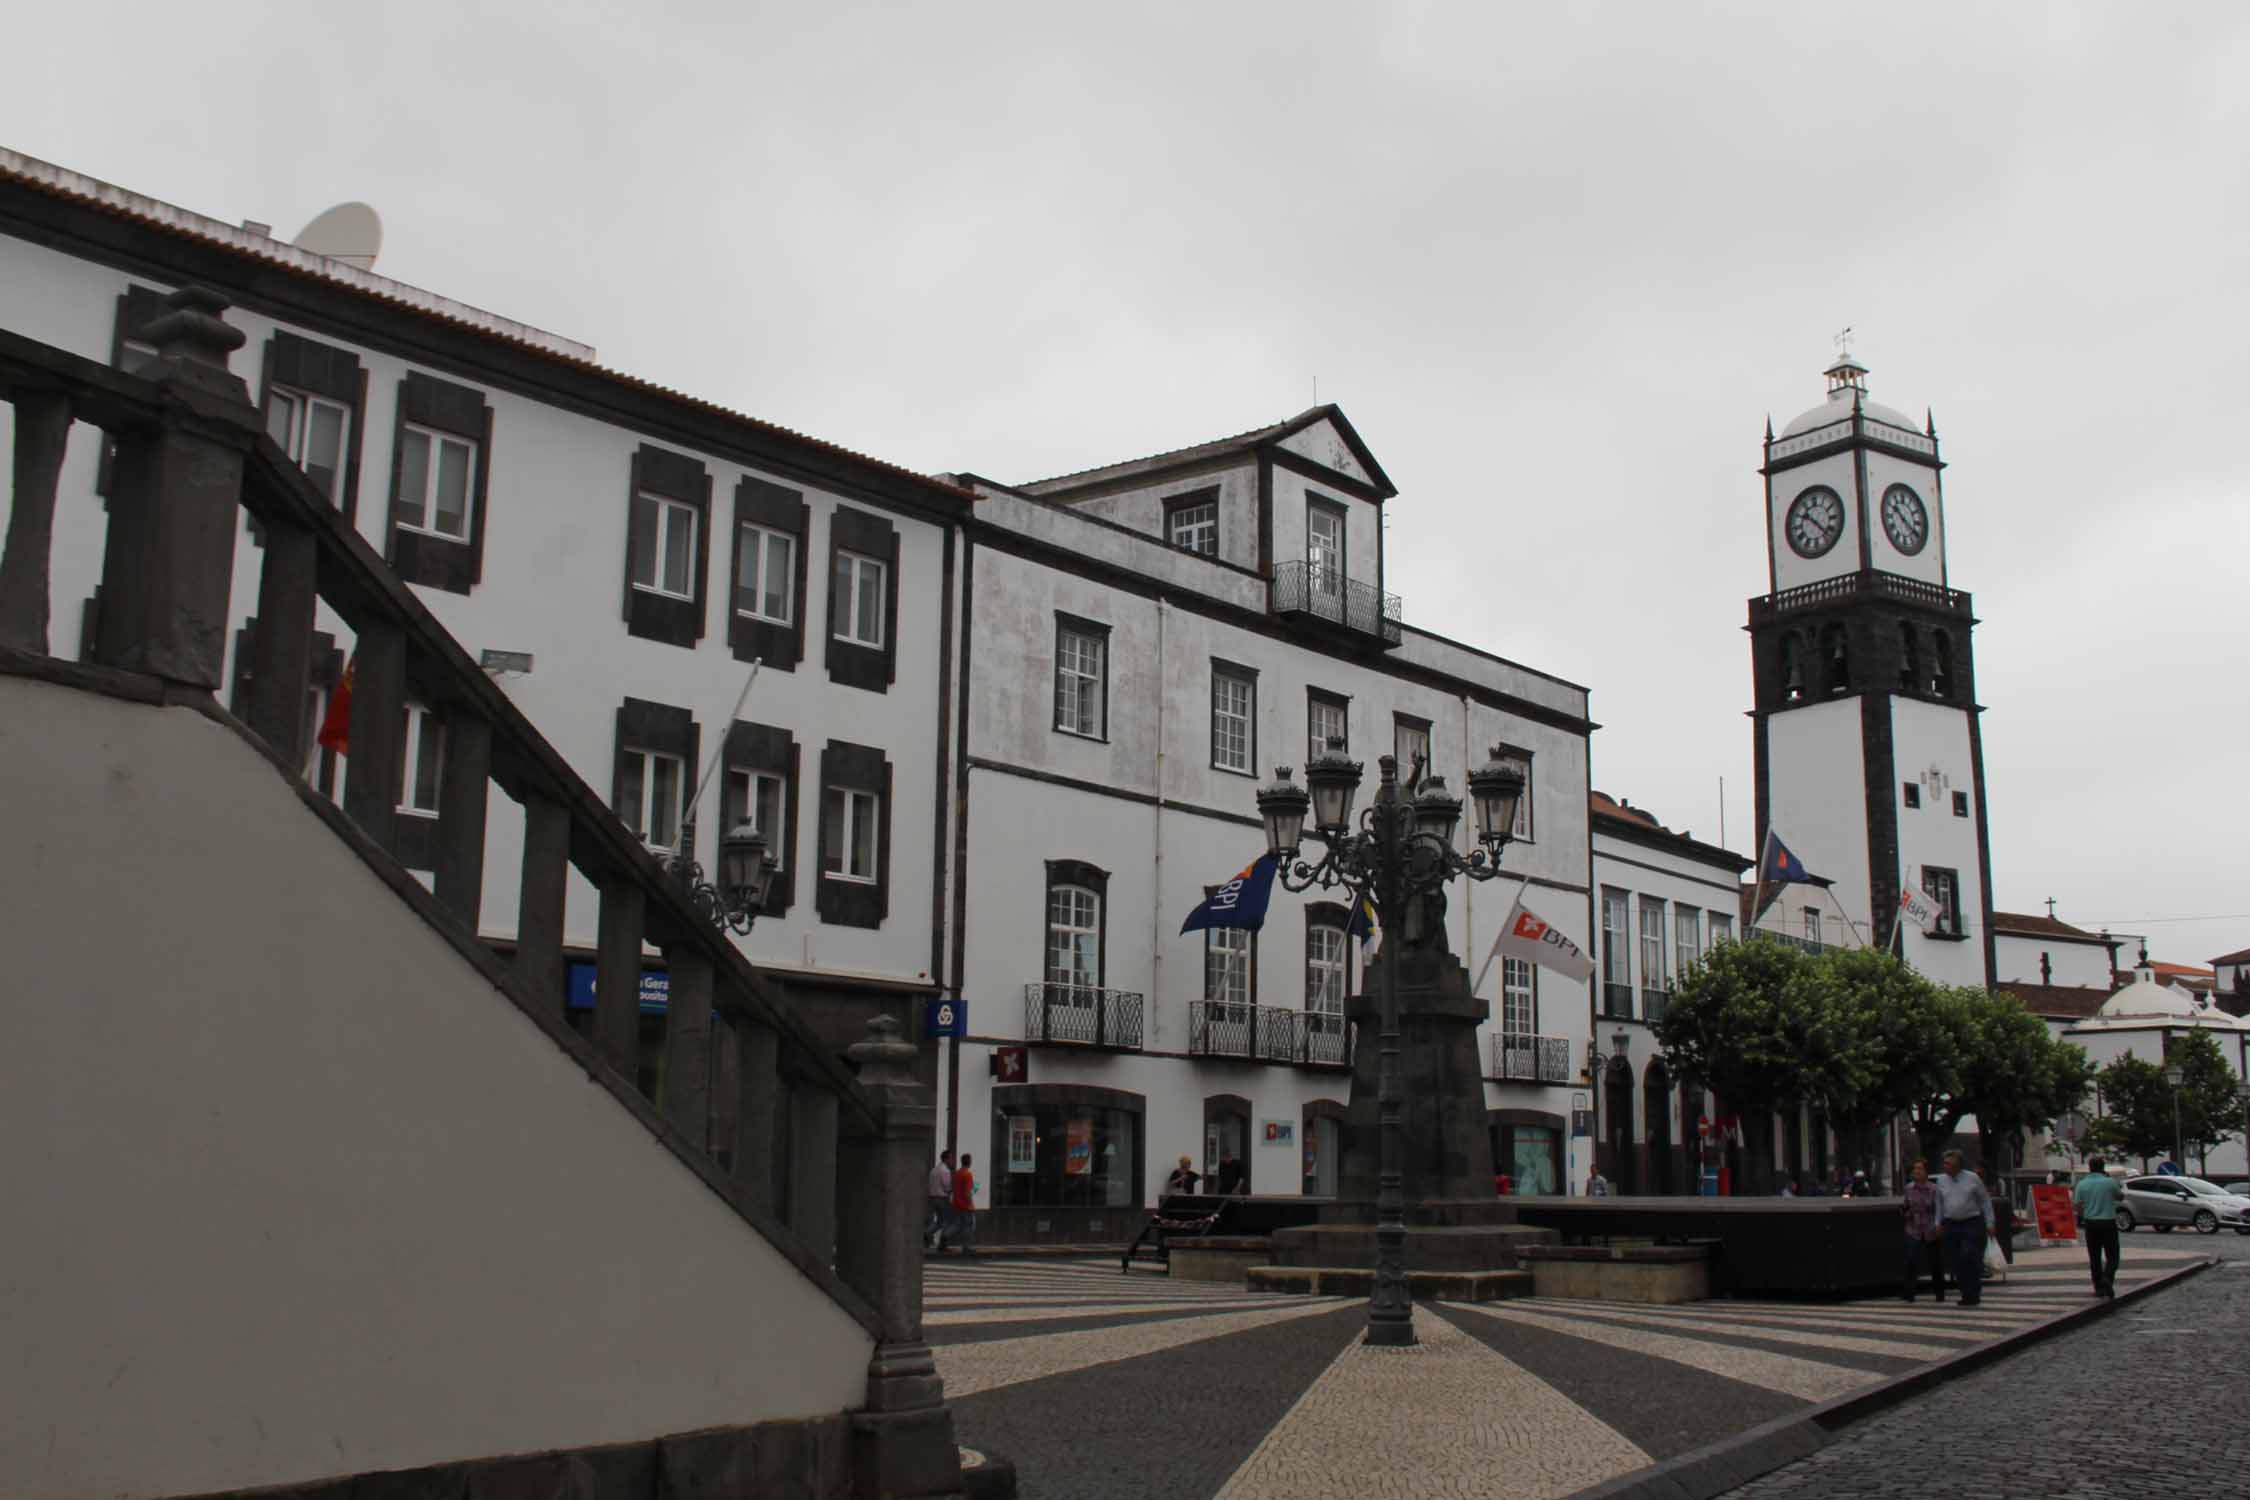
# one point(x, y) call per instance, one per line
point(349, 232)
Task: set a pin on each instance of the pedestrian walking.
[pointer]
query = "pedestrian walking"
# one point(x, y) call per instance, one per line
point(2095, 1198)
point(1920, 1200)
point(1230, 1175)
point(1965, 1218)
point(1183, 1179)
point(965, 1205)
point(941, 1201)
point(1597, 1186)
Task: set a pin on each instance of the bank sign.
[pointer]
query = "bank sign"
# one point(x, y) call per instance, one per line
point(656, 989)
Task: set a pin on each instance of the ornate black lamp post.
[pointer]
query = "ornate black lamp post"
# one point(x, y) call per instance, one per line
point(1401, 856)
point(2176, 1075)
point(745, 881)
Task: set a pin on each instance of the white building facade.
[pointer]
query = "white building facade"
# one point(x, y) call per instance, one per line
point(1146, 643)
point(1665, 899)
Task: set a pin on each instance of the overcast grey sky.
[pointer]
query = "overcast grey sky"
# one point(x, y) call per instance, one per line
point(1557, 263)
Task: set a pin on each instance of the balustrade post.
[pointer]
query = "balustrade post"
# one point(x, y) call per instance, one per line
point(541, 901)
point(687, 1043)
point(903, 1440)
point(463, 792)
point(375, 748)
point(42, 433)
point(169, 565)
point(281, 647)
point(617, 975)
point(757, 1055)
point(812, 1169)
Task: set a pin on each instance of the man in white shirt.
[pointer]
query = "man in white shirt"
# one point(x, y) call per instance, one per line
point(1965, 1215)
point(941, 1200)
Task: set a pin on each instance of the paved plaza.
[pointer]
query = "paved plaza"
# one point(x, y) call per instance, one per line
point(1098, 1384)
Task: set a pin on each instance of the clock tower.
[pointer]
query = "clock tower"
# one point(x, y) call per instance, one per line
point(1869, 760)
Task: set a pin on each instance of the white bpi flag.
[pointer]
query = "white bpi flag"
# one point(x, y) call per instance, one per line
point(1915, 905)
point(1530, 937)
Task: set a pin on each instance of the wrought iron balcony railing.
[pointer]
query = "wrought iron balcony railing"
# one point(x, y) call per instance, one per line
point(1324, 593)
point(1895, 586)
point(1268, 1033)
point(1617, 1001)
point(1652, 1004)
point(1082, 1015)
point(1520, 1057)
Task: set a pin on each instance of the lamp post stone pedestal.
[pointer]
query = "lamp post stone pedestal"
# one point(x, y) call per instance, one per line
point(1445, 1148)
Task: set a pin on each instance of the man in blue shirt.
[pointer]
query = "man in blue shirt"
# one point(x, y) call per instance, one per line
point(2096, 1197)
point(1965, 1217)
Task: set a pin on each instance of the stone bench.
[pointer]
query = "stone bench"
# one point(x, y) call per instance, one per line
point(1620, 1273)
point(1217, 1257)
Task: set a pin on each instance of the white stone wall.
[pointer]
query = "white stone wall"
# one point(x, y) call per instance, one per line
point(1816, 768)
point(292, 1192)
point(2016, 960)
point(1142, 507)
point(1927, 737)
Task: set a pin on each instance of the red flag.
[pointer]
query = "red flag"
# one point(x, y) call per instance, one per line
point(336, 724)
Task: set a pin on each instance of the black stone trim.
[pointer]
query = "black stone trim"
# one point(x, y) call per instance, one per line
point(1984, 845)
point(1880, 775)
point(759, 502)
point(322, 370)
point(849, 662)
point(1064, 620)
point(764, 747)
point(1093, 877)
point(855, 903)
point(960, 923)
point(419, 557)
point(946, 750)
point(660, 727)
point(1320, 474)
point(1221, 667)
point(650, 615)
point(1671, 843)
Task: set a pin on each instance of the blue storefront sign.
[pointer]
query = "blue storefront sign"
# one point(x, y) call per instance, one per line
point(656, 989)
point(944, 1016)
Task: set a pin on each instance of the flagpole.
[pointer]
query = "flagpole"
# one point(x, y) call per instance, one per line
point(1500, 936)
point(711, 766)
point(1849, 924)
point(1758, 894)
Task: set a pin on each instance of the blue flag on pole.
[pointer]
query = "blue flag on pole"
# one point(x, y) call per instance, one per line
point(1361, 928)
point(1241, 902)
point(1782, 867)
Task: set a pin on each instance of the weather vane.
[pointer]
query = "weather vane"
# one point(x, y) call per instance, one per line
point(1844, 343)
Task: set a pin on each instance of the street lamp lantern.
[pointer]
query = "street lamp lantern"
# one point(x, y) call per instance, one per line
point(1333, 777)
point(1620, 1044)
point(2175, 1075)
point(1282, 804)
point(1436, 810)
point(1497, 788)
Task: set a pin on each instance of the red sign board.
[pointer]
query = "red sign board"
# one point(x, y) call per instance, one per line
point(2058, 1219)
point(1011, 1064)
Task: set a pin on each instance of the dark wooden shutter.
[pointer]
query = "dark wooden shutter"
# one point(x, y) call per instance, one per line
point(762, 747)
point(675, 476)
point(850, 663)
point(854, 903)
point(777, 509)
point(433, 561)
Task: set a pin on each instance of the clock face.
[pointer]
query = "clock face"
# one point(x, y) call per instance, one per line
point(1905, 522)
point(1816, 520)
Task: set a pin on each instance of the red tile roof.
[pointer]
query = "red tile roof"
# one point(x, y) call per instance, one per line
point(2239, 956)
point(2034, 926)
point(281, 256)
point(2059, 1002)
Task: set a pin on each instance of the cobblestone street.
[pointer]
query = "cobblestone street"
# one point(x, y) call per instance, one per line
point(1100, 1385)
point(2149, 1402)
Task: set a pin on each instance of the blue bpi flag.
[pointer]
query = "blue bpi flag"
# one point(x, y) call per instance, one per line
point(1241, 902)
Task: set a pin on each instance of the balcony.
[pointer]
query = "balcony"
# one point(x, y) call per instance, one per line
point(1892, 586)
point(1617, 1001)
point(1813, 946)
point(1652, 1004)
point(1308, 592)
point(1267, 1033)
point(1524, 1058)
point(1079, 1015)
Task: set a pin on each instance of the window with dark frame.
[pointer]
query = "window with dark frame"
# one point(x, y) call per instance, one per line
point(441, 474)
point(1944, 887)
point(760, 784)
point(857, 602)
point(422, 768)
point(1912, 792)
point(1081, 677)
point(663, 546)
point(1523, 828)
point(1234, 718)
point(1077, 897)
point(314, 397)
point(855, 835)
point(1324, 546)
point(1960, 804)
point(767, 621)
point(1191, 522)
point(1410, 738)
point(1327, 717)
point(1617, 955)
point(863, 563)
point(667, 546)
point(655, 752)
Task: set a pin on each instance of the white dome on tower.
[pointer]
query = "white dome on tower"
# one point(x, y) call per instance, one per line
point(1847, 387)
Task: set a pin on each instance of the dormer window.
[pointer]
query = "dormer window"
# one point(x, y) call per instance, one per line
point(1191, 522)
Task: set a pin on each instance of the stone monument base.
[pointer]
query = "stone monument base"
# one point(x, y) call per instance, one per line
point(1436, 1247)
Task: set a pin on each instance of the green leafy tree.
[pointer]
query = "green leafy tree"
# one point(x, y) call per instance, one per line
point(1877, 1044)
point(1738, 1021)
point(2136, 1110)
point(2210, 1094)
point(2011, 1072)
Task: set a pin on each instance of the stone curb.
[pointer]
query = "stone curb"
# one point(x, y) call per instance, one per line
point(1721, 1466)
